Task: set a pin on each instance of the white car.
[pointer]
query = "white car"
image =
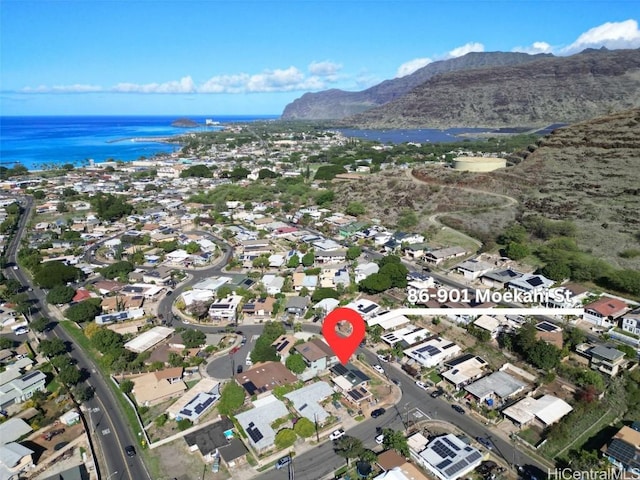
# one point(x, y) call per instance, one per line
point(21, 331)
point(422, 385)
point(382, 358)
point(378, 368)
point(336, 434)
point(248, 360)
point(380, 439)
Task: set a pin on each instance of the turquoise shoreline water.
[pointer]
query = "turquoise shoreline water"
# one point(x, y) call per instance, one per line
point(39, 142)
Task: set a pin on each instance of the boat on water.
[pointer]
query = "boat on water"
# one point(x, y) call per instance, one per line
point(210, 121)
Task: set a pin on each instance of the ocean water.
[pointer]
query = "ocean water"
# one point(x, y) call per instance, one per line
point(39, 142)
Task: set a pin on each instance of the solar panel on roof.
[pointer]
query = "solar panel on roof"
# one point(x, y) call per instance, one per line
point(282, 345)
point(442, 450)
point(474, 456)
point(368, 308)
point(339, 369)
point(250, 387)
point(451, 444)
point(254, 433)
point(455, 468)
point(31, 375)
point(429, 350)
point(185, 412)
point(443, 464)
point(621, 451)
point(546, 326)
point(535, 281)
point(355, 394)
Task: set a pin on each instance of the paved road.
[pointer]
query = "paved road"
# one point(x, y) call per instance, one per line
point(415, 405)
point(109, 429)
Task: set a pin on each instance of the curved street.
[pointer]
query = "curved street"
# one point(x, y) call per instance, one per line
point(104, 414)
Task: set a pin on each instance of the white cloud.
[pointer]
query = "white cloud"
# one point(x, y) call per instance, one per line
point(184, 85)
point(612, 35)
point(535, 47)
point(466, 48)
point(411, 66)
point(324, 69)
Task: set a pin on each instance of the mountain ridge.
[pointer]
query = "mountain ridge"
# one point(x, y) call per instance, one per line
point(336, 104)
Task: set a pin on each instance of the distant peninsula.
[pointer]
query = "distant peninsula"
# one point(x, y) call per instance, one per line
point(184, 123)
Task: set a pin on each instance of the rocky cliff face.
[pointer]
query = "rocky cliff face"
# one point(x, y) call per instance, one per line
point(539, 93)
point(336, 104)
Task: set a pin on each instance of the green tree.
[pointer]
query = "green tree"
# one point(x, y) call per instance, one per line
point(544, 355)
point(260, 262)
point(295, 363)
point(60, 294)
point(5, 342)
point(556, 271)
point(107, 341)
point(397, 274)
point(56, 273)
point(184, 424)
point(224, 291)
point(515, 233)
point(110, 207)
point(201, 171)
point(69, 375)
point(118, 269)
point(516, 251)
point(407, 219)
point(325, 198)
point(324, 292)
point(192, 247)
point(293, 261)
point(355, 209)
point(285, 438)
point(231, 398)
point(266, 173)
point(396, 440)
point(193, 338)
point(375, 283)
point(328, 172)
point(304, 427)
point(83, 393)
point(308, 259)
point(40, 324)
point(353, 252)
point(53, 347)
point(263, 350)
point(348, 447)
point(82, 312)
point(126, 386)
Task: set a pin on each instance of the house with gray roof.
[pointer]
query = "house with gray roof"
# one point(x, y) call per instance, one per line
point(21, 389)
point(297, 305)
point(306, 401)
point(496, 386)
point(257, 422)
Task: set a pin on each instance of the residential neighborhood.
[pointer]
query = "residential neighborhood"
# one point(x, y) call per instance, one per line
point(203, 316)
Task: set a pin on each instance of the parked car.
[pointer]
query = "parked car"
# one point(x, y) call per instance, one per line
point(458, 408)
point(382, 358)
point(283, 462)
point(239, 369)
point(485, 442)
point(377, 412)
point(380, 439)
point(378, 368)
point(395, 381)
point(21, 330)
point(421, 385)
point(336, 434)
point(248, 361)
point(130, 451)
point(437, 393)
point(243, 341)
point(233, 350)
point(52, 433)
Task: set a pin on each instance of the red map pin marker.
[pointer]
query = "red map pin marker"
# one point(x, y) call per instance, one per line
point(343, 347)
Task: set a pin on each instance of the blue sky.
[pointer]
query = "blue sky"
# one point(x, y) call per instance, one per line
point(253, 57)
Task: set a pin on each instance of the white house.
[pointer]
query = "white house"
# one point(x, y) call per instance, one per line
point(363, 270)
point(225, 309)
point(432, 352)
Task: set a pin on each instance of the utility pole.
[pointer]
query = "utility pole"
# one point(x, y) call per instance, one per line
point(315, 421)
